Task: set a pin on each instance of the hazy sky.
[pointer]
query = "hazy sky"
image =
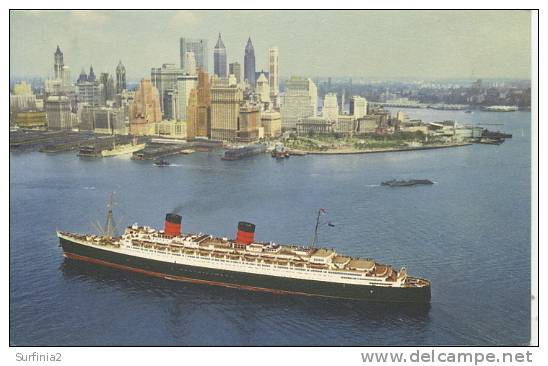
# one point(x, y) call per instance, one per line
point(373, 44)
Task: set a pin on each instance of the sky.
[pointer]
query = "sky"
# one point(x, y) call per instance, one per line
point(369, 44)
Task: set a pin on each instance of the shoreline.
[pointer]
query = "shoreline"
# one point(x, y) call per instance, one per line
point(384, 150)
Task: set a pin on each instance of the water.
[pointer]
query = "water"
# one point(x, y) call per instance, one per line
point(469, 234)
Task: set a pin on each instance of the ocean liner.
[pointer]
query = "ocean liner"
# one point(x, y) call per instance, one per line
point(243, 262)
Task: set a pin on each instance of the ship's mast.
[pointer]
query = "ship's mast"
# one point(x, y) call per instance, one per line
point(320, 211)
point(110, 227)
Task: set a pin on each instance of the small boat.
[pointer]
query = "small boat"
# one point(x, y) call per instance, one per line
point(161, 163)
point(280, 152)
point(468, 111)
point(491, 141)
point(406, 183)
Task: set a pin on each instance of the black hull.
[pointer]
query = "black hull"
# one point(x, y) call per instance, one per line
point(202, 275)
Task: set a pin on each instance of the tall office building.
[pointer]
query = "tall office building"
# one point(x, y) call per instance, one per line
point(273, 73)
point(89, 90)
point(144, 111)
point(108, 120)
point(91, 75)
point(66, 80)
point(358, 106)
point(192, 114)
point(171, 104)
point(249, 122)
point(58, 112)
point(165, 80)
point(330, 110)
point(22, 88)
point(263, 88)
point(185, 84)
point(85, 117)
point(225, 110)
point(300, 100)
point(22, 98)
point(108, 86)
point(204, 104)
point(120, 78)
point(58, 63)
point(198, 110)
point(190, 64)
point(219, 58)
point(271, 121)
point(249, 63)
point(236, 70)
point(198, 47)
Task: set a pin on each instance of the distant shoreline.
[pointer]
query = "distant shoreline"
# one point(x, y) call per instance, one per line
point(383, 150)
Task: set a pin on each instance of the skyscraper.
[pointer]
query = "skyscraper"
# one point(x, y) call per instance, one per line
point(165, 80)
point(249, 63)
point(88, 90)
point(300, 100)
point(263, 88)
point(249, 122)
point(185, 84)
point(198, 109)
point(219, 58)
point(22, 98)
point(271, 121)
point(58, 112)
point(273, 71)
point(145, 109)
point(236, 70)
point(108, 86)
point(358, 106)
point(67, 82)
point(225, 110)
point(58, 63)
point(192, 114)
point(330, 110)
point(91, 76)
point(120, 78)
point(200, 49)
point(190, 64)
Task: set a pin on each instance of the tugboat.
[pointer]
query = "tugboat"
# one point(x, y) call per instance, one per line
point(280, 152)
point(406, 183)
point(162, 163)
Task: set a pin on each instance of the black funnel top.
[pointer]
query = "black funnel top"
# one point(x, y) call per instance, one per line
point(246, 226)
point(173, 218)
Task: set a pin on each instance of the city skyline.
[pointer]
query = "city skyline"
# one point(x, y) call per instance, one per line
point(376, 44)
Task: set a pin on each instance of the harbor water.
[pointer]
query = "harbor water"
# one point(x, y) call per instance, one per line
point(469, 233)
